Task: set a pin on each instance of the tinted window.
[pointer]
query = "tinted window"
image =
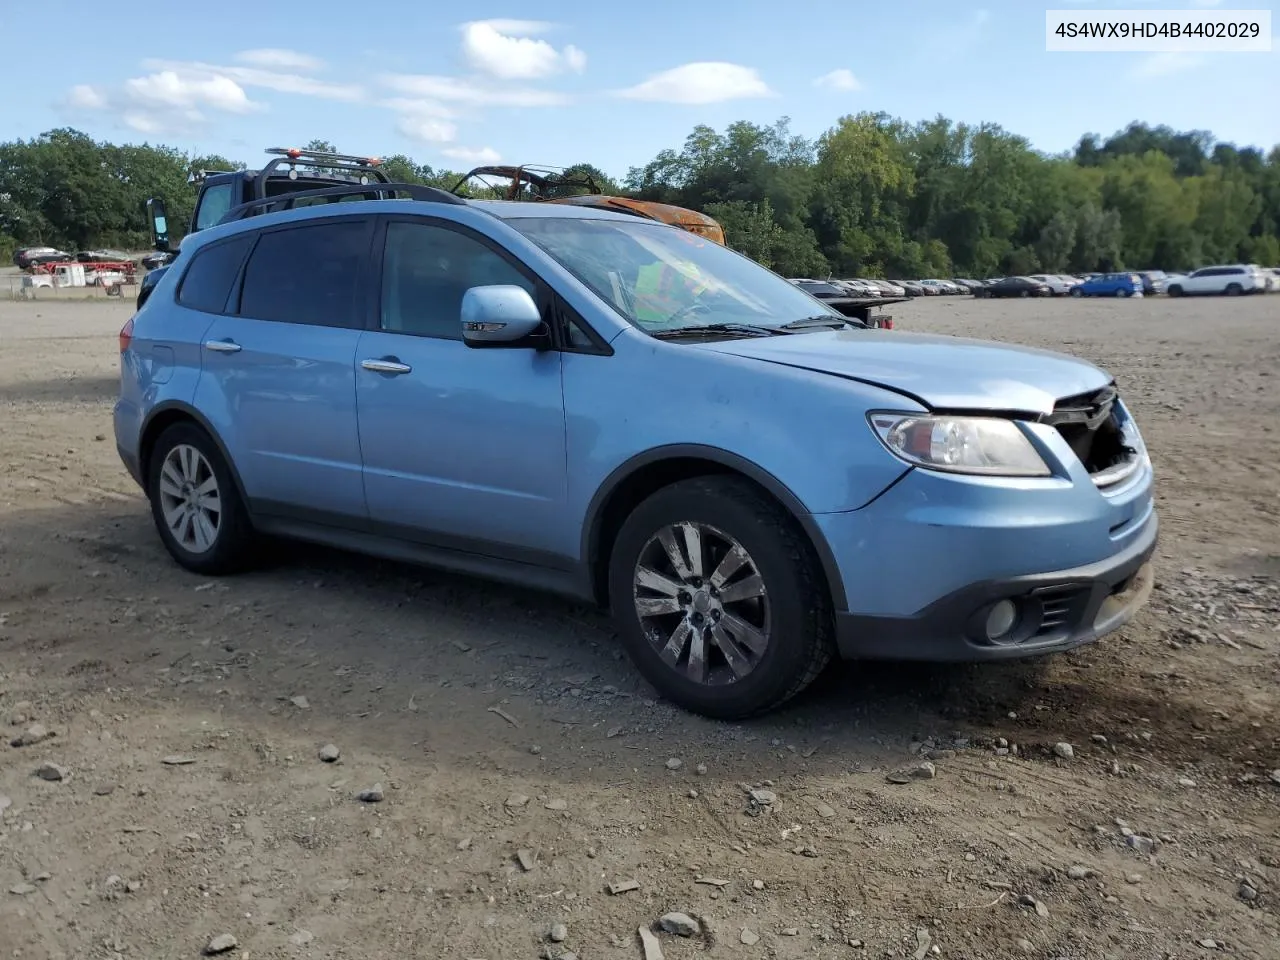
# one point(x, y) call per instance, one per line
point(425, 271)
point(214, 203)
point(212, 273)
point(307, 274)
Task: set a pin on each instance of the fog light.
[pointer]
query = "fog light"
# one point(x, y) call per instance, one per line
point(1001, 619)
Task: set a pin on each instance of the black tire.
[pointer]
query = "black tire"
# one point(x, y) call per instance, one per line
point(1174, 291)
point(1077, 293)
point(234, 535)
point(1234, 289)
point(799, 619)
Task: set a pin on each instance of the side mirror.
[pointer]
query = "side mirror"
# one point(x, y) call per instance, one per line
point(498, 315)
point(159, 223)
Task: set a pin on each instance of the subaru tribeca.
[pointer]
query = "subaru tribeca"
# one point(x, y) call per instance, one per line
point(626, 413)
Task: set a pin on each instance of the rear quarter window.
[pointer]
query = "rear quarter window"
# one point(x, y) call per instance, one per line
point(208, 281)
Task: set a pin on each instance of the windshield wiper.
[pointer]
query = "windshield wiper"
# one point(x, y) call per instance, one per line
point(821, 320)
point(750, 329)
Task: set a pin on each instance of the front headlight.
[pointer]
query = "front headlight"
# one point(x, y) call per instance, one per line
point(989, 446)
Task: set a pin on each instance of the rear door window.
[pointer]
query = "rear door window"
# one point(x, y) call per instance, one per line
point(212, 273)
point(310, 273)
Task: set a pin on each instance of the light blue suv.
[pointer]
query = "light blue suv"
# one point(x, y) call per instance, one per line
point(626, 413)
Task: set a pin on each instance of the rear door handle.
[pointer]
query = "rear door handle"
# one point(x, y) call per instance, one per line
point(386, 365)
point(222, 346)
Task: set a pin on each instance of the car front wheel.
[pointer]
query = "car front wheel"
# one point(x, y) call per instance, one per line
point(195, 503)
point(719, 598)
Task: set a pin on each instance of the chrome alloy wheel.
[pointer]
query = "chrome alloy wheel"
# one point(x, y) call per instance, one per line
point(702, 603)
point(189, 499)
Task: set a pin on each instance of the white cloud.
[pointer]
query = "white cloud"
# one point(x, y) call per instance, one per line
point(425, 129)
point(519, 28)
point(164, 102)
point(505, 49)
point(143, 122)
point(168, 89)
point(698, 83)
point(841, 79)
point(267, 79)
point(274, 58)
point(84, 97)
point(455, 90)
point(574, 58)
point(476, 157)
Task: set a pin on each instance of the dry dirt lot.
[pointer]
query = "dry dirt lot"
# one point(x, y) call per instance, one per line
point(187, 717)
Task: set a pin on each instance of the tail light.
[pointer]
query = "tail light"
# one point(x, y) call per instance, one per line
point(126, 335)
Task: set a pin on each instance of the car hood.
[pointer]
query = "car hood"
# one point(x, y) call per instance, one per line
point(950, 373)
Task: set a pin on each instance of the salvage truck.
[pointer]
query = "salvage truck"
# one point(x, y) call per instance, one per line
point(290, 171)
point(304, 177)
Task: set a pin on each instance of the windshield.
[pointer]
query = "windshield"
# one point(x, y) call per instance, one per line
point(663, 278)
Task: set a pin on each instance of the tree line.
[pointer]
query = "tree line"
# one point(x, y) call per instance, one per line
point(872, 196)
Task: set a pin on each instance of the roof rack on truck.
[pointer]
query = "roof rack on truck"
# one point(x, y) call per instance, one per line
point(289, 170)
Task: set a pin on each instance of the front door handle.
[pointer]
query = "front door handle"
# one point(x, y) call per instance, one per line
point(222, 346)
point(386, 365)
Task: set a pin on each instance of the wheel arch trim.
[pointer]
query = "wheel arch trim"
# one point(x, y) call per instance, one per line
point(178, 407)
point(592, 528)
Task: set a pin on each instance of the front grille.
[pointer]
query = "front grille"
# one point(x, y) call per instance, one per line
point(1091, 425)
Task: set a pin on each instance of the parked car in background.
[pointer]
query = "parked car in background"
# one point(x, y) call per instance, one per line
point(103, 256)
point(858, 288)
point(1055, 283)
point(27, 257)
point(1228, 280)
point(1109, 285)
point(912, 288)
point(887, 288)
point(942, 287)
point(1273, 279)
point(454, 383)
point(1153, 282)
point(969, 285)
point(1015, 287)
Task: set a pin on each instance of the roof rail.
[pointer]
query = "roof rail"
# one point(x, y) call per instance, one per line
point(382, 191)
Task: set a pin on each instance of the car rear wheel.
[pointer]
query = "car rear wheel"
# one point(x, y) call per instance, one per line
point(195, 504)
point(1174, 291)
point(1122, 293)
point(719, 598)
point(1234, 289)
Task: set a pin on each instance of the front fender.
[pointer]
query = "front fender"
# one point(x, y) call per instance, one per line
point(807, 430)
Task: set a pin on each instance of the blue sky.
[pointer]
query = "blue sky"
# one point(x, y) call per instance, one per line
point(456, 85)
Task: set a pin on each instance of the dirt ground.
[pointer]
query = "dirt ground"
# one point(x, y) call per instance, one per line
point(186, 719)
